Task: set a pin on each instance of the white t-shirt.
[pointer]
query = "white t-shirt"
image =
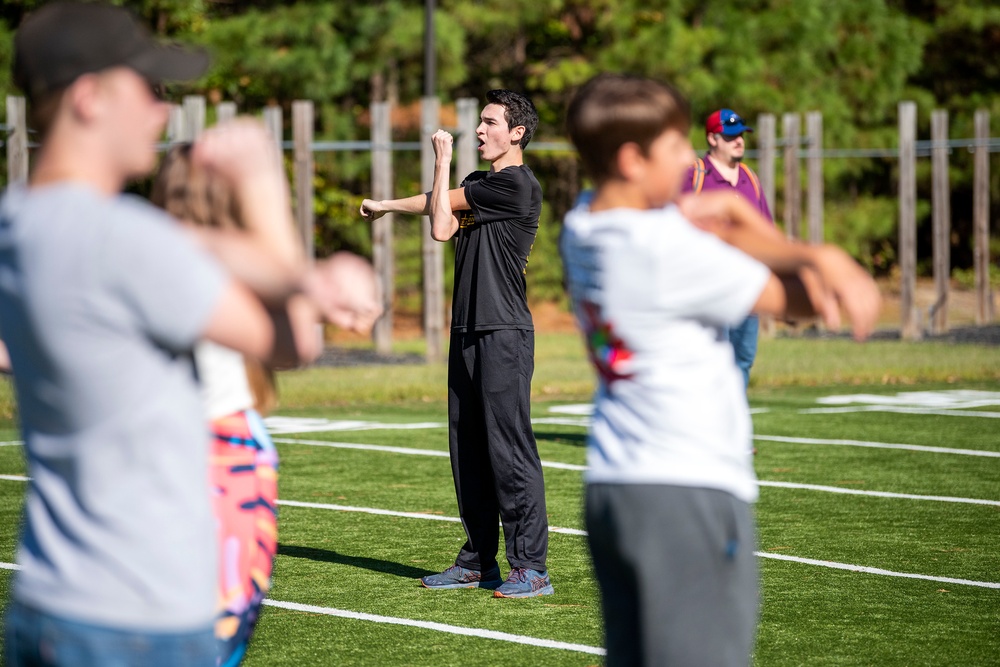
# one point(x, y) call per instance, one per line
point(222, 375)
point(651, 293)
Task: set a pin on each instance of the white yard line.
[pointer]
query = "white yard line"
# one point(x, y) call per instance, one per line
point(877, 445)
point(877, 494)
point(761, 554)
point(480, 633)
point(569, 466)
point(406, 515)
point(900, 410)
point(403, 450)
point(876, 570)
point(439, 627)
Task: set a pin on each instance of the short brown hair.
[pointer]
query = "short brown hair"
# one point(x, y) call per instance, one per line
point(611, 110)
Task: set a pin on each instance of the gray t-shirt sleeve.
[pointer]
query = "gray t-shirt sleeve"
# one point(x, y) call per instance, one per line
point(171, 285)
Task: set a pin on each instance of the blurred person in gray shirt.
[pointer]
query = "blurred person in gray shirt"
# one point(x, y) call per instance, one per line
point(102, 297)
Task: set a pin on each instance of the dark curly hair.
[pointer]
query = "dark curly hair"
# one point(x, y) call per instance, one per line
point(517, 110)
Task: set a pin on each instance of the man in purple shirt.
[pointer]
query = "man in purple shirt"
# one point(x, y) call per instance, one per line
point(722, 169)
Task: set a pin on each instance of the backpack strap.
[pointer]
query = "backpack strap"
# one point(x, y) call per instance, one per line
point(698, 177)
point(753, 179)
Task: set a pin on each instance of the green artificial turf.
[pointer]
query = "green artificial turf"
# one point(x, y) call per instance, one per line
point(358, 562)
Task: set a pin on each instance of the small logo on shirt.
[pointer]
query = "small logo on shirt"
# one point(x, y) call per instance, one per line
point(608, 352)
point(466, 219)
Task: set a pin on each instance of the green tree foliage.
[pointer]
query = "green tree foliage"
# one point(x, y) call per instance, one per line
point(854, 60)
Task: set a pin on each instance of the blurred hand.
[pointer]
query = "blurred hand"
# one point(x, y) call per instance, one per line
point(846, 286)
point(345, 290)
point(238, 151)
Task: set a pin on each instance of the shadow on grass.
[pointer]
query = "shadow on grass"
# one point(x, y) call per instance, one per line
point(374, 564)
point(575, 439)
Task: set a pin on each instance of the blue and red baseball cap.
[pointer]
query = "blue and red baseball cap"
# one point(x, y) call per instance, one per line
point(727, 123)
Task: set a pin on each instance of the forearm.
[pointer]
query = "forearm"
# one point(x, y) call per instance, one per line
point(297, 336)
point(443, 224)
point(250, 261)
point(416, 205)
point(266, 213)
point(772, 250)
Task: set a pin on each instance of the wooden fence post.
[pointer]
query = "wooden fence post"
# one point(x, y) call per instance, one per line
point(981, 219)
point(790, 123)
point(466, 149)
point(433, 251)
point(225, 112)
point(766, 151)
point(382, 242)
point(175, 124)
point(909, 324)
point(814, 176)
point(941, 220)
point(17, 140)
point(302, 137)
point(765, 167)
point(275, 124)
point(194, 116)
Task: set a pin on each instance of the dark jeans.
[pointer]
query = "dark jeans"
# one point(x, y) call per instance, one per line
point(744, 339)
point(33, 638)
point(494, 460)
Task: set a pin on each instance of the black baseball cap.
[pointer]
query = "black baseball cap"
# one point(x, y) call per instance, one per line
point(61, 41)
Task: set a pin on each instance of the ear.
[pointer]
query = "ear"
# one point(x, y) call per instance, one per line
point(630, 161)
point(516, 134)
point(84, 98)
point(712, 140)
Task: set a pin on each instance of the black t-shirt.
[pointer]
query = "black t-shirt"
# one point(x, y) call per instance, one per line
point(493, 242)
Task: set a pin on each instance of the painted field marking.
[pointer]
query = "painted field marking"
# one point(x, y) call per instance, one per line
point(573, 531)
point(280, 425)
point(876, 570)
point(900, 410)
point(407, 515)
point(403, 450)
point(760, 554)
point(12, 443)
point(439, 627)
point(480, 633)
point(570, 466)
point(877, 494)
point(949, 403)
point(574, 467)
point(877, 445)
point(949, 399)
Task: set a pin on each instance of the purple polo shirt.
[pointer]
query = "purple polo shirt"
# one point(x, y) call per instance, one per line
point(715, 181)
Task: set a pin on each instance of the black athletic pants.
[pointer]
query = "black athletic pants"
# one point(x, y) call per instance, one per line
point(493, 455)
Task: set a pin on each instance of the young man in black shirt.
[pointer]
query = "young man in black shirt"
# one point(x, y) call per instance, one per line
point(493, 216)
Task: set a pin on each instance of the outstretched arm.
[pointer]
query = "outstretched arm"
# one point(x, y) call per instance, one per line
point(440, 203)
point(809, 280)
point(373, 209)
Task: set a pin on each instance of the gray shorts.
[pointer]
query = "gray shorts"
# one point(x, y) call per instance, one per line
point(677, 573)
